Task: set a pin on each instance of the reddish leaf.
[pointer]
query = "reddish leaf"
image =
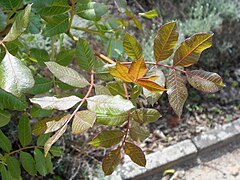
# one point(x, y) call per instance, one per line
point(121, 72)
point(150, 85)
point(165, 41)
point(137, 69)
point(135, 153)
point(205, 81)
point(177, 92)
point(190, 50)
point(111, 161)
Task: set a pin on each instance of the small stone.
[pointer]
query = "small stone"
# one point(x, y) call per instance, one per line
point(235, 170)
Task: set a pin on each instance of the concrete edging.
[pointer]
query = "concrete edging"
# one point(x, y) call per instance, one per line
point(181, 152)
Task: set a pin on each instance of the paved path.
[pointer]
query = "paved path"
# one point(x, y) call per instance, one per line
point(226, 166)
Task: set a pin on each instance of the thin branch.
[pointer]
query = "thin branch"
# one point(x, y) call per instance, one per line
point(22, 149)
point(104, 58)
point(72, 15)
point(129, 118)
point(84, 99)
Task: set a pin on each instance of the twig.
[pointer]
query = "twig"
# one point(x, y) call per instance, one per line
point(22, 149)
point(104, 58)
point(129, 118)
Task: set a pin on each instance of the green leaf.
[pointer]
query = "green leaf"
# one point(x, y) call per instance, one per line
point(84, 55)
point(136, 91)
point(37, 112)
point(34, 26)
point(121, 5)
point(42, 85)
point(3, 21)
point(56, 151)
point(42, 139)
point(205, 81)
point(135, 153)
point(56, 25)
point(13, 167)
point(8, 101)
point(10, 4)
point(20, 24)
point(101, 90)
point(132, 47)
point(111, 161)
point(112, 120)
point(82, 121)
point(41, 55)
point(165, 41)
point(24, 130)
point(153, 97)
point(146, 115)
point(49, 125)
point(28, 163)
point(57, 7)
point(16, 78)
point(177, 92)
point(116, 88)
point(5, 117)
point(49, 102)
point(107, 138)
point(109, 105)
point(53, 139)
point(65, 57)
point(5, 175)
point(150, 14)
point(5, 143)
point(190, 50)
point(40, 162)
point(67, 75)
point(91, 11)
point(49, 164)
point(138, 133)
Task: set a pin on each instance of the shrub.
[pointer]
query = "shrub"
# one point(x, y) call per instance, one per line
point(29, 91)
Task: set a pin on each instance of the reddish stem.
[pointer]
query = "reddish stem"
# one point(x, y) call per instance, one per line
point(156, 64)
point(85, 97)
point(128, 122)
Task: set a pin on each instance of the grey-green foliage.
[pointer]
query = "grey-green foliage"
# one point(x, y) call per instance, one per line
point(147, 44)
point(207, 15)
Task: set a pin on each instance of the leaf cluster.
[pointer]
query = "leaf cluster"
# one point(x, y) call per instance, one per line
point(115, 102)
